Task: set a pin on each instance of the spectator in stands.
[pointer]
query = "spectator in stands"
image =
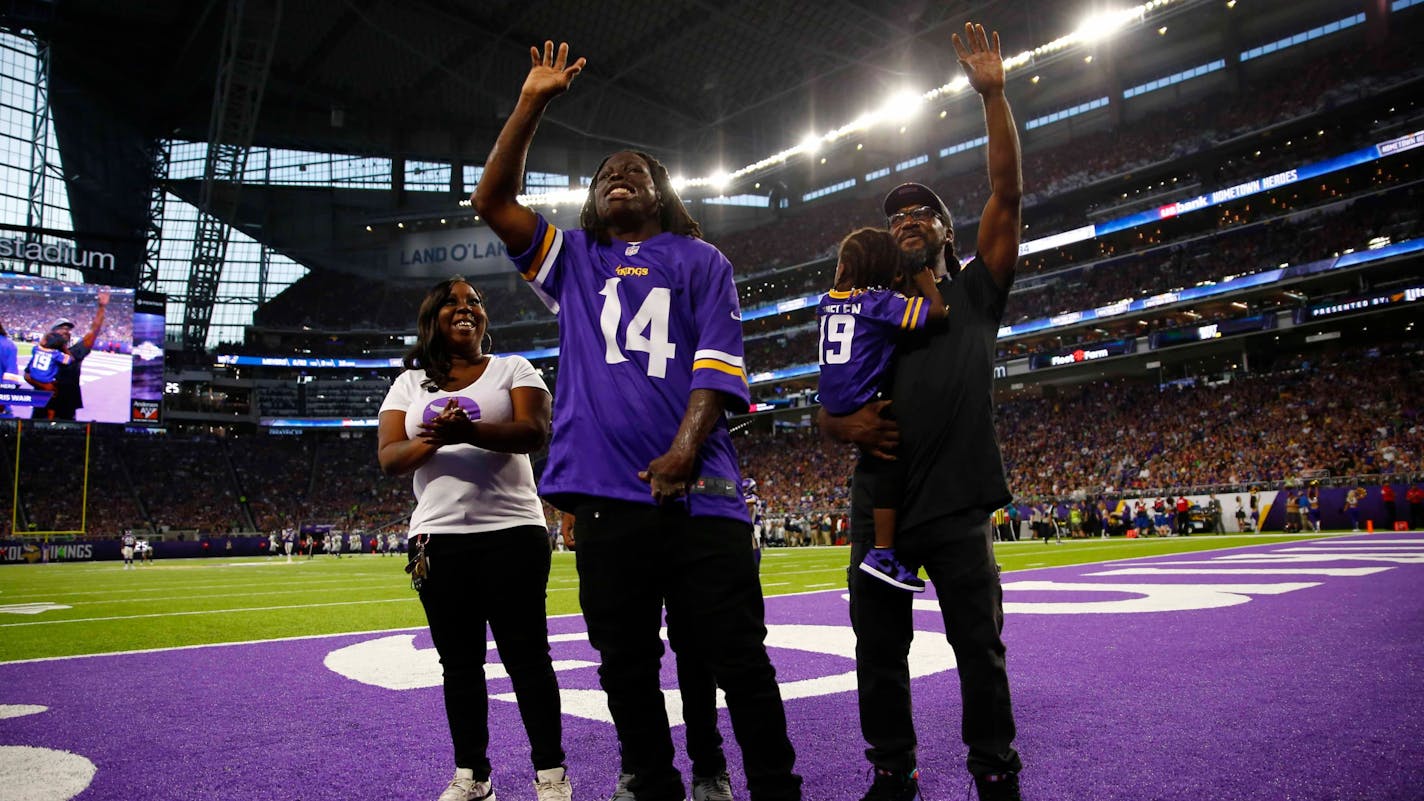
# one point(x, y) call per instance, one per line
point(463, 423)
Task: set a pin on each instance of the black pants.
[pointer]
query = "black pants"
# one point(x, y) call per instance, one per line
point(957, 555)
point(498, 578)
point(633, 558)
point(698, 689)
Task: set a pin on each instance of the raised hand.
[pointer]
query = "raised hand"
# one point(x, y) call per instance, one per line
point(550, 73)
point(982, 62)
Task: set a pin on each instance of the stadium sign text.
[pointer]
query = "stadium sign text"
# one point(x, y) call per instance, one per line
point(1079, 356)
point(59, 255)
point(14, 552)
point(472, 251)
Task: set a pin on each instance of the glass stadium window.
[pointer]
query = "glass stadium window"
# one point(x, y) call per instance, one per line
point(826, 190)
point(1306, 36)
point(21, 105)
point(1175, 78)
point(914, 162)
point(548, 180)
point(963, 146)
point(427, 175)
point(755, 201)
point(874, 174)
point(242, 287)
point(1058, 116)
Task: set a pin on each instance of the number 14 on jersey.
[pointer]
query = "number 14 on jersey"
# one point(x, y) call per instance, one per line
point(646, 333)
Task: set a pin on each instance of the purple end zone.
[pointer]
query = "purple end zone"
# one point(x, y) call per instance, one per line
point(1297, 679)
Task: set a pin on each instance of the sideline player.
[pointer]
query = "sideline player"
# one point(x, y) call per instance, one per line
point(129, 542)
point(650, 356)
point(954, 467)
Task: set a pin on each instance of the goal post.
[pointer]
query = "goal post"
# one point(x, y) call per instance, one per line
point(15, 530)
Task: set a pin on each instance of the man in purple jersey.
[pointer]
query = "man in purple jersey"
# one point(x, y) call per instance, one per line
point(944, 416)
point(650, 355)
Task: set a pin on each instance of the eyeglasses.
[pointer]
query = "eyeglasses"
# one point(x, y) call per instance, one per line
point(921, 214)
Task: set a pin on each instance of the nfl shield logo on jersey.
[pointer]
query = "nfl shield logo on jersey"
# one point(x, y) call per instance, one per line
point(632, 250)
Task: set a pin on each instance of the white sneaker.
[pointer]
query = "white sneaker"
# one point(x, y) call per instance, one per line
point(560, 789)
point(467, 789)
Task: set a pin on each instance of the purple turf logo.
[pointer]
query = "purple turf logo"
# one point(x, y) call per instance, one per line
point(435, 407)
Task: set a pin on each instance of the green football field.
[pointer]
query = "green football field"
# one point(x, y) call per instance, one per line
point(198, 601)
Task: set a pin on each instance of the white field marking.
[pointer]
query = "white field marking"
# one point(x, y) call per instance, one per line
point(1416, 543)
point(1286, 562)
point(30, 609)
point(578, 635)
point(809, 586)
point(313, 582)
point(207, 612)
point(776, 584)
point(29, 773)
point(1150, 597)
point(842, 566)
point(1352, 556)
point(20, 710)
point(265, 593)
point(1356, 548)
point(394, 663)
point(1241, 571)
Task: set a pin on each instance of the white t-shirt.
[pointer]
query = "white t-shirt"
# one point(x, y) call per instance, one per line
point(463, 488)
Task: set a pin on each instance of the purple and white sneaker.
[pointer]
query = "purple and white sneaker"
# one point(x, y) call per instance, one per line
point(882, 564)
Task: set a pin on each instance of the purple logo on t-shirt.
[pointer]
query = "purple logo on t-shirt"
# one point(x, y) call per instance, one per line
point(435, 407)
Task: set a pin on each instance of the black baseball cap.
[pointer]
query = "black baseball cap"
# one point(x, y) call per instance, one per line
point(60, 323)
point(912, 194)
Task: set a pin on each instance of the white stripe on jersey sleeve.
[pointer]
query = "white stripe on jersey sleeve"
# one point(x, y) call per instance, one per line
point(548, 300)
point(721, 356)
point(548, 262)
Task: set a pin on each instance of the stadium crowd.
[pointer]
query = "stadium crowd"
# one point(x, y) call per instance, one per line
point(1357, 412)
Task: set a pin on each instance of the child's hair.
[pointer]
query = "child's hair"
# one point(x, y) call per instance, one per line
point(869, 257)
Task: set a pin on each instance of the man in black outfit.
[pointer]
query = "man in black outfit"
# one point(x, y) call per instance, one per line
point(943, 415)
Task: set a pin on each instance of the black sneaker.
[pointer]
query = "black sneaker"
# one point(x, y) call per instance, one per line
point(891, 786)
point(998, 787)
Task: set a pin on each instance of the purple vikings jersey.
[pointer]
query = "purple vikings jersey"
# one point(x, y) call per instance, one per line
point(44, 363)
point(641, 325)
point(858, 332)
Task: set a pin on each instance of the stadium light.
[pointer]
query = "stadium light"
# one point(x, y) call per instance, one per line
point(720, 181)
point(901, 106)
point(1098, 27)
point(1092, 29)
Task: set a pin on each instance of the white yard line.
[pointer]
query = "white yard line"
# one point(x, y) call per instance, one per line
point(206, 612)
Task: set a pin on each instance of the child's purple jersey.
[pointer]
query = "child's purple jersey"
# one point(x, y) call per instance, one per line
point(641, 325)
point(44, 363)
point(858, 332)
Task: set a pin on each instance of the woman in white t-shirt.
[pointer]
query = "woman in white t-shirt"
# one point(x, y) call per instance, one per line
point(463, 422)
